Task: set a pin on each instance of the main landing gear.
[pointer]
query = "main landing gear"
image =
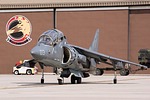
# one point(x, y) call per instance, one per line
point(74, 79)
point(60, 81)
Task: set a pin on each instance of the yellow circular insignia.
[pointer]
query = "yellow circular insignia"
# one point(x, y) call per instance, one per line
point(18, 29)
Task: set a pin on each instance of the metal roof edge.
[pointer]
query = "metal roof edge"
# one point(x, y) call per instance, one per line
point(75, 5)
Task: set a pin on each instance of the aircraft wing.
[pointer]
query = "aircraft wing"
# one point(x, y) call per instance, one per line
point(99, 57)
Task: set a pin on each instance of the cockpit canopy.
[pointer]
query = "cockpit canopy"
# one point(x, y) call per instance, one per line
point(51, 37)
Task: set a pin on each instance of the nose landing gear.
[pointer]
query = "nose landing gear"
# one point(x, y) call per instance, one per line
point(42, 67)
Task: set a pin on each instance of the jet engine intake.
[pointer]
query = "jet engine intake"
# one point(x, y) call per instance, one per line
point(69, 55)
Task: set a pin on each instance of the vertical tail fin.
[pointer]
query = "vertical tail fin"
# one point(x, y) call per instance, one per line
point(95, 43)
point(94, 47)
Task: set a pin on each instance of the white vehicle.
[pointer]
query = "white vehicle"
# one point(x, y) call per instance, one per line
point(25, 69)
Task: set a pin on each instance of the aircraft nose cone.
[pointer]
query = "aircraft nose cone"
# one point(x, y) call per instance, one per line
point(35, 52)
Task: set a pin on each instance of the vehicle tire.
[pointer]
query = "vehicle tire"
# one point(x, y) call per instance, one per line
point(73, 79)
point(16, 72)
point(78, 80)
point(29, 72)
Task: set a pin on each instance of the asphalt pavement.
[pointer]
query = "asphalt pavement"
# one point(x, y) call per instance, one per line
point(28, 87)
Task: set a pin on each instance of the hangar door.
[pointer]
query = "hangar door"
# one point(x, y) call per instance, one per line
point(139, 32)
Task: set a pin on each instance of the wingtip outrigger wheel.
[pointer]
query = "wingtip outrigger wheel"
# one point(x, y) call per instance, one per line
point(42, 80)
point(115, 80)
point(115, 73)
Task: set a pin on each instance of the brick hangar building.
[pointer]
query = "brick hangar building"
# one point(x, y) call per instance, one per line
point(124, 26)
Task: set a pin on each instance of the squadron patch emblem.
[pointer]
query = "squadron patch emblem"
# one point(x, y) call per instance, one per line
point(18, 29)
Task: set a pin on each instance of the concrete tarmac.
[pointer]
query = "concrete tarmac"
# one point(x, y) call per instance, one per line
point(28, 87)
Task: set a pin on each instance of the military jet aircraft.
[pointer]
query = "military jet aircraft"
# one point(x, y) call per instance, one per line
point(53, 50)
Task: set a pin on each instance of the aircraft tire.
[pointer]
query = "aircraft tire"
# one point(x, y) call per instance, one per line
point(73, 79)
point(42, 81)
point(115, 81)
point(60, 82)
point(79, 80)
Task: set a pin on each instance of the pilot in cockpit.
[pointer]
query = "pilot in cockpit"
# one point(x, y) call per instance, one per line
point(45, 39)
point(51, 37)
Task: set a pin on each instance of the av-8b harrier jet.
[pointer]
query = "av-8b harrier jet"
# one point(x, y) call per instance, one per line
point(53, 50)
